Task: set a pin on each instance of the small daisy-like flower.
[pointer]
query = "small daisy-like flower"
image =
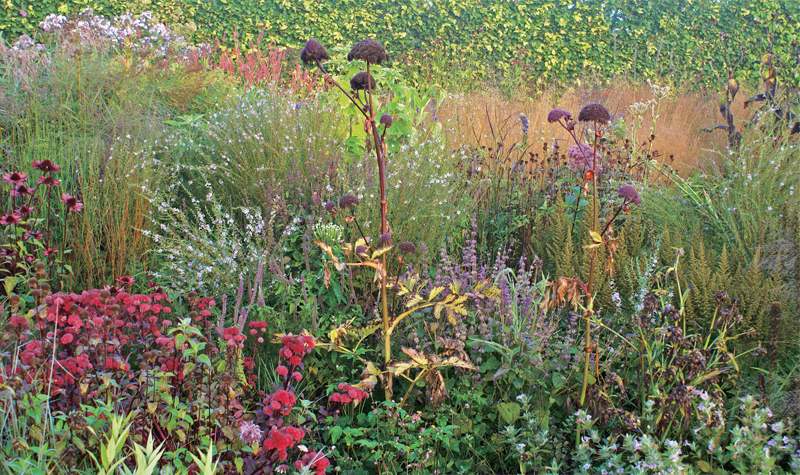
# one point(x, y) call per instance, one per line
point(24, 210)
point(10, 219)
point(368, 50)
point(48, 181)
point(33, 235)
point(46, 166)
point(72, 202)
point(21, 190)
point(15, 178)
point(126, 280)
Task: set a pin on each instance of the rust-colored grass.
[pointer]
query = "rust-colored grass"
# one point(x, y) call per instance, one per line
point(471, 119)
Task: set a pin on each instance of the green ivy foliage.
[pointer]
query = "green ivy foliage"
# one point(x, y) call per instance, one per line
point(688, 40)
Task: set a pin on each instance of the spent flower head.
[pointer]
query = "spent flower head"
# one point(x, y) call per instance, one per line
point(313, 52)
point(557, 114)
point(359, 81)
point(368, 50)
point(348, 201)
point(594, 112)
point(629, 193)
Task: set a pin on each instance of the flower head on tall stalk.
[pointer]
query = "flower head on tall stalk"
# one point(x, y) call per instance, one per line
point(595, 114)
point(372, 53)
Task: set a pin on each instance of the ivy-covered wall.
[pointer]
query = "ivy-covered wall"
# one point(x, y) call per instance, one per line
point(692, 40)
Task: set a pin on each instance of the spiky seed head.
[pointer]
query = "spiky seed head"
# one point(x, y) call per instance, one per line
point(594, 112)
point(359, 82)
point(368, 50)
point(314, 52)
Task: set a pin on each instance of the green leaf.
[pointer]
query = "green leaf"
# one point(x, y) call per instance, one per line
point(704, 466)
point(509, 411)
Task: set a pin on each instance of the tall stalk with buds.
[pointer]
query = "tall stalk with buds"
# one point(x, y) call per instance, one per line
point(372, 53)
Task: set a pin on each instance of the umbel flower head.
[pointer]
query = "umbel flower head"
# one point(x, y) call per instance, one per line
point(348, 201)
point(407, 247)
point(359, 81)
point(629, 194)
point(557, 114)
point(594, 113)
point(314, 52)
point(368, 50)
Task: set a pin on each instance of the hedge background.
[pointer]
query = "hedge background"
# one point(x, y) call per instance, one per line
point(689, 40)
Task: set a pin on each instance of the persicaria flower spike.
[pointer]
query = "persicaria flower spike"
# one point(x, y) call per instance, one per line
point(629, 193)
point(594, 112)
point(314, 52)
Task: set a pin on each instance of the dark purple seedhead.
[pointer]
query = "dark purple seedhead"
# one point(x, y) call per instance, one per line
point(385, 239)
point(557, 114)
point(348, 201)
point(407, 247)
point(386, 120)
point(361, 249)
point(368, 50)
point(359, 82)
point(314, 52)
point(594, 113)
point(629, 194)
point(329, 206)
